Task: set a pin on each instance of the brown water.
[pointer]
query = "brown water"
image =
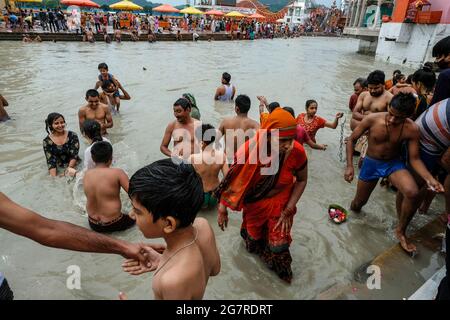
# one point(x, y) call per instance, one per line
point(41, 78)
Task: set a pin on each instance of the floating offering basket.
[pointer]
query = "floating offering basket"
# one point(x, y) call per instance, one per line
point(337, 213)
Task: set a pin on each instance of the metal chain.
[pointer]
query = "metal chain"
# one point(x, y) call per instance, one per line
point(341, 140)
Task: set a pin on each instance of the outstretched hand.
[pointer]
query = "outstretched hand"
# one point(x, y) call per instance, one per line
point(339, 115)
point(222, 217)
point(142, 257)
point(435, 186)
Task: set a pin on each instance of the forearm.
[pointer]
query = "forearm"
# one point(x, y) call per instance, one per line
point(73, 163)
point(166, 151)
point(421, 170)
point(314, 145)
point(357, 115)
point(349, 151)
point(297, 191)
point(52, 172)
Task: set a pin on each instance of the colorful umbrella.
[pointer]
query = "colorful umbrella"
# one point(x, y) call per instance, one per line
point(125, 5)
point(214, 13)
point(80, 3)
point(191, 10)
point(235, 14)
point(256, 16)
point(166, 8)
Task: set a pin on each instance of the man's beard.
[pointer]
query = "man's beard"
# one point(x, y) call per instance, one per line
point(376, 94)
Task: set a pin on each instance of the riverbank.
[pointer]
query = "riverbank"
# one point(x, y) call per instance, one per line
point(221, 36)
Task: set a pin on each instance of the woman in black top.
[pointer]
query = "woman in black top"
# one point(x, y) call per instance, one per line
point(60, 146)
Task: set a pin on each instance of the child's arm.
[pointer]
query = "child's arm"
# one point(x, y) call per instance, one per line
point(225, 167)
point(124, 180)
point(98, 84)
point(334, 124)
point(125, 95)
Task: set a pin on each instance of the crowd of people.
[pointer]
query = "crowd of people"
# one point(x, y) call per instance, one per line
point(111, 25)
point(400, 130)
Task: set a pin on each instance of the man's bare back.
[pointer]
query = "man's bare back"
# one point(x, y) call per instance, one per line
point(368, 104)
point(186, 275)
point(208, 165)
point(102, 189)
point(241, 129)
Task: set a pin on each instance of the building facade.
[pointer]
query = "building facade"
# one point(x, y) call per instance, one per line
point(296, 13)
point(414, 29)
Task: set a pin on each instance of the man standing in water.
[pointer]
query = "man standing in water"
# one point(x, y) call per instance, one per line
point(96, 111)
point(359, 86)
point(3, 114)
point(387, 132)
point(238, 128)
point(226, 91)
point(182, 130)
point(376, 99)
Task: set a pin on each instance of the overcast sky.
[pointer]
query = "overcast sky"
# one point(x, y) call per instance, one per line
point(177, 2)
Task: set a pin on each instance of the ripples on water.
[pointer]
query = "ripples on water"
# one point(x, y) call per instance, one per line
point(41, 78)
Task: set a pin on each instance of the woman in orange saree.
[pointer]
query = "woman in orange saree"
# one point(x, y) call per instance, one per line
point(267, 198)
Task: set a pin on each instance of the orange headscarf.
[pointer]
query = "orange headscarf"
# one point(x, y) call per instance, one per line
point(240, 178)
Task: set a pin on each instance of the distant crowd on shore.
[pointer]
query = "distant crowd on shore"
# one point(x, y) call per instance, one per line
point(111, 25)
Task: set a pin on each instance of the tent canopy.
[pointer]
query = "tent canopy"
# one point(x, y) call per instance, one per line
point(191, 10)
point(214, 13)
point(80, 3)
point(165, 8)
point(125, 5)
point(234, 14)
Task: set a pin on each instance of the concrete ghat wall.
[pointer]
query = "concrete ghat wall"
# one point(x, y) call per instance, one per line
point(409, 44)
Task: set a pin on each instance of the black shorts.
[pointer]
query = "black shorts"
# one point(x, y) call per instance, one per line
point(6, 292)
point(122, 223)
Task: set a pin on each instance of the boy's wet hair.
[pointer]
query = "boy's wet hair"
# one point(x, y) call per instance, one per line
point(184, 103)
point(404, 103)
point(376, 77)
point(92, 93)
point(442, 47)
point(101, 152)
point(209, 133)
point(310, 102)
point(50, 119)
point(396, 72)
point(106, 84)
point(290, 110)
point(166, 188)
point(92, 130)
point(226, 76)
point(102, 66)
point(272, 106)
point(243, 103)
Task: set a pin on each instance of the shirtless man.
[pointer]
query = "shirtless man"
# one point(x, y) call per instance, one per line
point(166, 198)
point(107, 96)
point(376, 99)
point(102, 188)
point(118, 35)
point(96, 111)
point(238, 129)
point(3, 114)
point(387, 132)
point(226, 91)
point(90, 36)
point(208, 164)
point(182, 131)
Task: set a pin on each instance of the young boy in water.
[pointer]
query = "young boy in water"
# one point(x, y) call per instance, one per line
point(105, 75)
point(208, 164)
point(102, 188)
point(166, 198)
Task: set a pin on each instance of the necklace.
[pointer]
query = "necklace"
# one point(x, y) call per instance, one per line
point(185, 246)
